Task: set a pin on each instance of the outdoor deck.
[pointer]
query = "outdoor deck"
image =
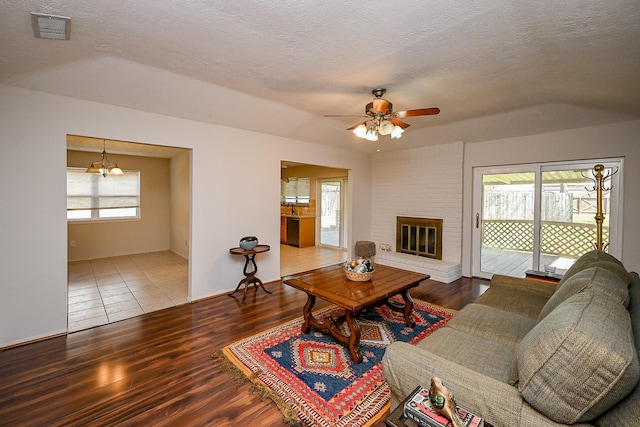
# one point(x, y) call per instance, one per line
point(515, 263)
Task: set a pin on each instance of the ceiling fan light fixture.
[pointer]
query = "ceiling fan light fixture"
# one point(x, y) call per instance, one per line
point(360, 131)
point(386, 127)
point(397, 132)
point(381, 119)
point(371, 135)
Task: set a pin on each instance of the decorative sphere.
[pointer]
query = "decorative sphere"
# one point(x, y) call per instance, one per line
point(361, 268)
point(248, 243)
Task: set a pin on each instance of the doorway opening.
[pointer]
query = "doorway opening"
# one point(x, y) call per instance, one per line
point(122, 268)
point(314, 204)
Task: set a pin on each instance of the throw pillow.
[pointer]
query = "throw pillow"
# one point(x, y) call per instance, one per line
point(588, 260)
point(580, 360)
point(612, 280)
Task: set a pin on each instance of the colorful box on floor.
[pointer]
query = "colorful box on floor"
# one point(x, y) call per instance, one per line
point(418, 408)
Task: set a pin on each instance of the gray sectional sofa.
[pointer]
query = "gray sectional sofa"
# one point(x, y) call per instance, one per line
point(533, 353)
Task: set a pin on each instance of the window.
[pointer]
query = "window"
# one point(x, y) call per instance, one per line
point(92, 197)
point(295, 190)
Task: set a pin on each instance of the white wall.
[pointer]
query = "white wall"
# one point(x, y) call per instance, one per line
point(617, 140)
point(235, 179)
point(421, 182)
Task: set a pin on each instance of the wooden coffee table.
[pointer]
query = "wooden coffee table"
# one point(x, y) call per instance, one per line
point(331, 284)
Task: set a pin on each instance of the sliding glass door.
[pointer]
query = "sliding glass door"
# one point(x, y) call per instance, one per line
point(541, 217)
point(507, 221)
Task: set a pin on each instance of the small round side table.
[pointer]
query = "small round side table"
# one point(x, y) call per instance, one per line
point(250, 274)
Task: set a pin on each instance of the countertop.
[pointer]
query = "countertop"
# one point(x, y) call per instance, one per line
point(298, 216)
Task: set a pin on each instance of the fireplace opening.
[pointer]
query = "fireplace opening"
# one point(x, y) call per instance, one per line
point(419, 236)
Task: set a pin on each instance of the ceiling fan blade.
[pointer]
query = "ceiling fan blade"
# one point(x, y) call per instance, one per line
point(338, 115)
point(397, 122)
point(380, 106)
point(418, 112)
point(356, 125)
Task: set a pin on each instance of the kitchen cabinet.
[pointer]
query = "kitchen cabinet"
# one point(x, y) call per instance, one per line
point(283, 230)
point(299, 231)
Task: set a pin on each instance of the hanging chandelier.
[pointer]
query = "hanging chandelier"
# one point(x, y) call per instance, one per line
point(104, 166)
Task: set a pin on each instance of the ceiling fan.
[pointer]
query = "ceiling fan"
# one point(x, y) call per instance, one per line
point(381, 119)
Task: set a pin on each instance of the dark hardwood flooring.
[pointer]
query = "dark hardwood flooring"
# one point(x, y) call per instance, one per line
point(155, 370)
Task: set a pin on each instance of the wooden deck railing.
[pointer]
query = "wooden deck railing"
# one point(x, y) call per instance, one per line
point(558, 238)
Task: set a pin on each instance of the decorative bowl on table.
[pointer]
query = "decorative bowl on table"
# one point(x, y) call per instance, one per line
point(248, 243)
point(358, 270)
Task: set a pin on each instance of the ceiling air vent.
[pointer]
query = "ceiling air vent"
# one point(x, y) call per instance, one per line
point(51, 26)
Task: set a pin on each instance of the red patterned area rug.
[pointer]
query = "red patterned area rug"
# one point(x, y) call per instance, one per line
point(312, 378)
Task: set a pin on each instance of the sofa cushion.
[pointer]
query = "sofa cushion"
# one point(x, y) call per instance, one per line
point(590, 259)
point(520, 303)
point(486, 357)
point(610, 281)
point(492, 324)
point(627, 412)
point(579, 360)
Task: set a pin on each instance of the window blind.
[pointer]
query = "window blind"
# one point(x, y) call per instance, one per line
point(295, 190)
point(94, 193)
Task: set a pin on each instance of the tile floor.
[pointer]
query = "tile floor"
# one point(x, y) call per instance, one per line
point(106, 290)
point(295, 260)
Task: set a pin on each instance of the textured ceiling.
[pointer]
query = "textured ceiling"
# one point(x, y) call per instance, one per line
point(495, 68)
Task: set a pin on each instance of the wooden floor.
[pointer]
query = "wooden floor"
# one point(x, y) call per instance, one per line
point(155, 369)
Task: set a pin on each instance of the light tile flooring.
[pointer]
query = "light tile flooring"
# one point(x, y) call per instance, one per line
point(294, 260)
point(106, 290)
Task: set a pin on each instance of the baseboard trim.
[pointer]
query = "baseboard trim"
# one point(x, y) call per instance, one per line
point(20, 344)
